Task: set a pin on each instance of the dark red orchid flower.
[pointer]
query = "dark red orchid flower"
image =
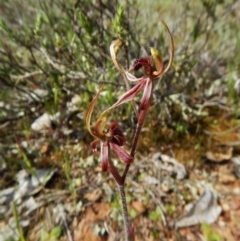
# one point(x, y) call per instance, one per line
point(110, 139)
point(153, 68)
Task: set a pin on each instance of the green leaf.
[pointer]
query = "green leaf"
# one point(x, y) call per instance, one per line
point(56, 232)
point(209, 233)
point(196, 30)
point(132, 212)
point(153, 216)
point(86, 24)
point(171, 209)
point(118, 21)
point(156, 214)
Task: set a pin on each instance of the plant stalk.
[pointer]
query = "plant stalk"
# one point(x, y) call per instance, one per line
point(141, 118)
point(125, 212)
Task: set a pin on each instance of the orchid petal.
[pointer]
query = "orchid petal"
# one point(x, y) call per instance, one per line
point(94, 146)
point(147, 93)
point(157, 61)
point(121, 153)
point(89, 113)
point(100, 125)
point(114, 47)
point(171, 49)
point(131, 77)
point(104, 156)
point(129, 95)
point(157, 58)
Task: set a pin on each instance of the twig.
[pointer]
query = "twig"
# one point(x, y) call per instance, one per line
point(69, 237)
point(61, 68)
point(230, 143)
point(221, 133)
point(25, 76)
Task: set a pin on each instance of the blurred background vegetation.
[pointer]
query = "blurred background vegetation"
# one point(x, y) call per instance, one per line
point(51, 51)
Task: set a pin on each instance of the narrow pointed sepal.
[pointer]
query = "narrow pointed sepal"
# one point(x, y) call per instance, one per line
point(121, 153)
point(89, 113)
point(129, 95)
point(171, 49)
point(114, 47)
point(147, 94)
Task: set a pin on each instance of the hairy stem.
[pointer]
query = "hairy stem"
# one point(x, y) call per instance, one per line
point(125, 212)
point(121, 186)
point(134, 146)
point(112, 169)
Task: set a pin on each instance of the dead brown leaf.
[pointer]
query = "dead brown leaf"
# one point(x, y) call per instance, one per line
point(218, 156)
point(45, 149)
point(138, 206)
point(93, 196)
point(226, 178)
point(95, 214)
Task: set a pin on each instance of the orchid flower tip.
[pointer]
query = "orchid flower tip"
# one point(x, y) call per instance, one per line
point(154, 52)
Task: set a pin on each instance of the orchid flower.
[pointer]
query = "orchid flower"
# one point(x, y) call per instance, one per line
point(153, 68)
point(110, 139)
